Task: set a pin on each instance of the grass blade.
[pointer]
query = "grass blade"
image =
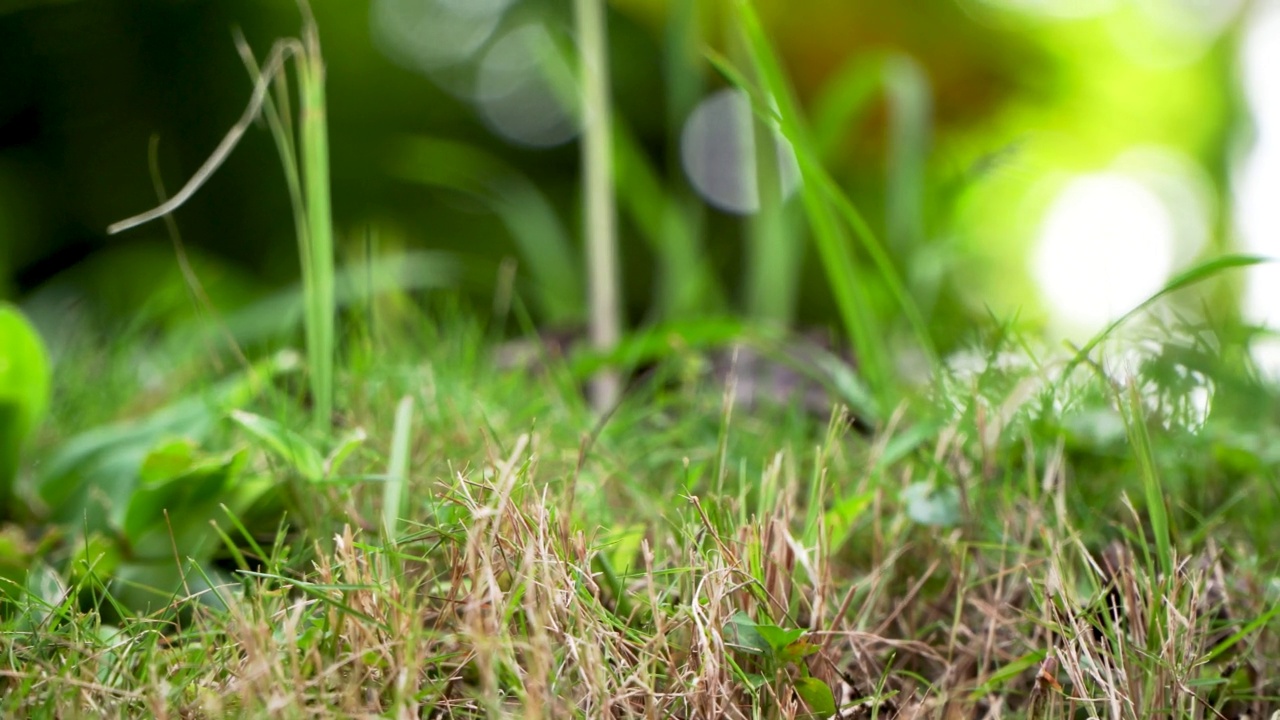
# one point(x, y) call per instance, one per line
point(318, 283)
point(398, 470)
point(1199, 273)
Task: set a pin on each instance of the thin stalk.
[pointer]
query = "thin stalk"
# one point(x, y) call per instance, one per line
point(600, 221)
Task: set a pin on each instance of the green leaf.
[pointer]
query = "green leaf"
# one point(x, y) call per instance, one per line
point(284, 443)
point(393, 493)
point(743, 634)
point(799, 650)
point(345, 447)
point(817, 696)
point(85, 483)
point(24, 393)
point(777, 638)
point(170, 515)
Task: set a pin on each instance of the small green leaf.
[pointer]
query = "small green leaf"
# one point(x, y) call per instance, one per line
point(797, 651)
point(817, 696)
point(167, 460)
point(286, 444)
point(743, 634)
point(778, 638)
point(168, 515)
point(346, 446)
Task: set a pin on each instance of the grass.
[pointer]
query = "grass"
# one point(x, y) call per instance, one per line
point(1025, 534)
point(546, 566)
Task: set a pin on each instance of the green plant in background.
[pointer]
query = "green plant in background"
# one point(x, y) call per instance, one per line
point(138, 497)
point(305, 159)
point(828, 208)
point(25, 377)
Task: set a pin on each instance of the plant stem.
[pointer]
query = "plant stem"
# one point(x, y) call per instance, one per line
point(597, 171)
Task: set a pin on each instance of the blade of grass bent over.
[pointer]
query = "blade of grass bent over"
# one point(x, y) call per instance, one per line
point(316, 234)
point(821, 189)
point(1197, 274)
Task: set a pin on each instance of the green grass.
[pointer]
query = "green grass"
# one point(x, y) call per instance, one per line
point(422, 527)
point(547, 566)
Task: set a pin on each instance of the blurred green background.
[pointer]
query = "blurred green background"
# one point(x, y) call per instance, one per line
point(993, 146)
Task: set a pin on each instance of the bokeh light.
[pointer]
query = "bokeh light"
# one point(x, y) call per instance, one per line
point(426, 35)
point(1258, 178)
point(1170, 33)
point(1105, 245)
point(525, 88)
point(718, 151)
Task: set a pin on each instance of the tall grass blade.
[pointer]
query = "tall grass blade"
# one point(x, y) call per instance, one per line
point(308, 190)
point(852, 300)
point(318, 283)
point(774, 100)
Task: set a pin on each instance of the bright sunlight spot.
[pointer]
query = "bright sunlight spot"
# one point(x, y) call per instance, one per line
point(1105, 245)
point(717, 148)
point(1257, 199)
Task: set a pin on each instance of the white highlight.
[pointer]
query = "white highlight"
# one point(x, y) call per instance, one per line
point(1106, 244)
point(1258, 181)
point(526, 89)
point(425, 35)
point(718, 152)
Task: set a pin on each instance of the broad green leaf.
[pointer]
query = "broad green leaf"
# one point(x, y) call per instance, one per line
point(842, 516)
point(284, 443)
point(817, 696)
point(87, 482)
point(166, 460)
point(171, 515)
point(625, 545)
point(96, 555)
point(796, 651)
point(777, 638)
point(24, 393)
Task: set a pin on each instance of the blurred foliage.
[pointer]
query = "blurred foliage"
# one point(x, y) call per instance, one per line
point(948, 122)
point(24, 394)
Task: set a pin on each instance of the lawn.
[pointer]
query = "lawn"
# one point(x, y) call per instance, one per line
point(403, 507)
